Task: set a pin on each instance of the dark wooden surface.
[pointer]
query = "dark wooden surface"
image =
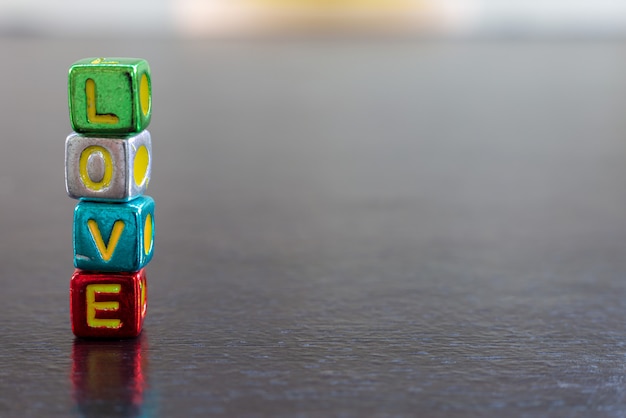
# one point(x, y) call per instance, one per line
point(349, 229)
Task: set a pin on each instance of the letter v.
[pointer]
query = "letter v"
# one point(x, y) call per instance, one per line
point(106, 251)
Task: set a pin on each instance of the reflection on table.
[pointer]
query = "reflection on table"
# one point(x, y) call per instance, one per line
point(109, 377)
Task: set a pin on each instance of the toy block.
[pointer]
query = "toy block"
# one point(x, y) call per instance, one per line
point(109, 376)
point(110, 96)
point(114, 237)
point(107, 169)
point(108, 305)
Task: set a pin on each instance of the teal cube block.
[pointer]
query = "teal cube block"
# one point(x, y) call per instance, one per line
point(110, 96)
point(114, 236)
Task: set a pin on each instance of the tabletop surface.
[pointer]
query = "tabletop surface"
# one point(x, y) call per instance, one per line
point(351, 228)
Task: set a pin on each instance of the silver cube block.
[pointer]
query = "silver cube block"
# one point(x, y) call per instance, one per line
point(108, 169)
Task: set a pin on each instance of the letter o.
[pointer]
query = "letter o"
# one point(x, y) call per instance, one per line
point(84, 170)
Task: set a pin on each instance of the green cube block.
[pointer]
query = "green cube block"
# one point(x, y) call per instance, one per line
point(110, 96)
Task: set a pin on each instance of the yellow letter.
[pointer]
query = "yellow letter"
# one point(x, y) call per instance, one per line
point(99, 152)
point(92, 116)
point(144, 305)
point(106, 251)
point(93, 306)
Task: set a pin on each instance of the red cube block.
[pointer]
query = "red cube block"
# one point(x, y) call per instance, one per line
point(108, 305)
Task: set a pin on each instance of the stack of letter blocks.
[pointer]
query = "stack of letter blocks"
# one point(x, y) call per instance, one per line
point(108, 162)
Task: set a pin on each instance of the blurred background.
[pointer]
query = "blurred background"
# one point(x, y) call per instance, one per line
point(210, 18)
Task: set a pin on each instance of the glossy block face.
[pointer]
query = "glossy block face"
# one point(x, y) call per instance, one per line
point(110, 96)
point(107, 169)
point(109, 305)
point(114, 237)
